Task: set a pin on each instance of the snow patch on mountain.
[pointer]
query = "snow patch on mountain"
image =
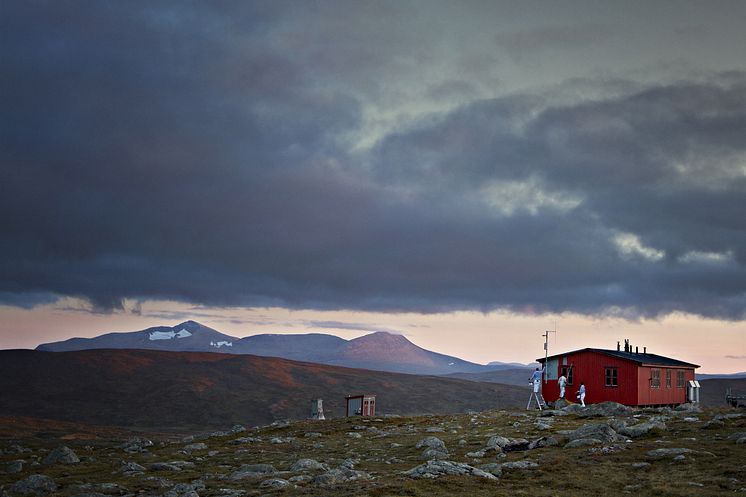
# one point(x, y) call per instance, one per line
point(221, 343)
point(168, 335)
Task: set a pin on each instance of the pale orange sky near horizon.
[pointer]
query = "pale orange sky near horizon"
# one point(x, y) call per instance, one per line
point(717, 346)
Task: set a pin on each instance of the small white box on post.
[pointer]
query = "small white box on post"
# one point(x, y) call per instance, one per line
point(317, 409)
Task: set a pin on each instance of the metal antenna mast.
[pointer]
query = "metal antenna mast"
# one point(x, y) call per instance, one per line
point(546, 350)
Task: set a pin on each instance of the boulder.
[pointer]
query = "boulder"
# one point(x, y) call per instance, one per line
point(599, 431)
point(164, 466)
point(543, 442)
point(641, 429)
point(14, 466)
point(275, 483)
point(435, 469)
point(497, 441)
point(582, 442)
point(524, 464)
point(670, 452)
point(433, 443)
point(136, 444)
point(492, 468)
point(130, 467)
point(516, 444)
point(430, 454)
point(35, 485)
point(195, 446)
point(339, 475)
point(61, 455)
point(308, 465)
point(252, 471)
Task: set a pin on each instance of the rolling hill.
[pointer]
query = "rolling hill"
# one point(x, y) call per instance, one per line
point(148, 389)
point(378, 351)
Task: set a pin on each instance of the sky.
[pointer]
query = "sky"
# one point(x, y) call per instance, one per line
point(469, 174)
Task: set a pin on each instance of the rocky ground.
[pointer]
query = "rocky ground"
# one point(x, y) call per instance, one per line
point(605, 449)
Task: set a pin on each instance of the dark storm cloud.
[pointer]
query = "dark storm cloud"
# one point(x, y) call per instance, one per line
point(183, 152)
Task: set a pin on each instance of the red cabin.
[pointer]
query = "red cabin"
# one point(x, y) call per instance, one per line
point(624, 376)
point(361, 405)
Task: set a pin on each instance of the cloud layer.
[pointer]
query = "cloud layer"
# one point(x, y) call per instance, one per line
point(212, 156)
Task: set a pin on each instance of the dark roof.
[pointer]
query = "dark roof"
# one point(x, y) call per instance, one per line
point(630, 356)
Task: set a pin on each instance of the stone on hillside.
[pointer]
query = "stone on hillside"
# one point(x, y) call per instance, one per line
point(136, 444)
point(671, 452)
point(238, 429)
point(312, 434)
point(195, 446)
point(492, 468)
point(737, 435)
point(582, 442)
point(434, 469)
point(349, 463)
point(561, 403)
point(543, 442)
point(516, 444)
point(497, 441)
point(252, 471)
point(433, 443)
point(61, 455)
point(14, 466)
point(741, 440)
point(35, 485)
point(340, 475)
point(185, 490)
point(600, 431)
point(524, 464)
point(275, 483)
point(640, 465)
point(300, 479)
point(429, 454)
point(164, 466)
point(308, 465)
point(688, 407)
point(641, 429)
point(476, 455)
point(244, 440)
point(281, 440)
point(435, 429)
point(131, 467)
point(352, 434)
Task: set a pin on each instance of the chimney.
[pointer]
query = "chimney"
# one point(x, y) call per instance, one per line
point(644, 350)
point(637, 350)
point(626, 345)
point(617, 346)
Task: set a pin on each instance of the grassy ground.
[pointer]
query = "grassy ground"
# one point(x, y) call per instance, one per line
point(386, 448)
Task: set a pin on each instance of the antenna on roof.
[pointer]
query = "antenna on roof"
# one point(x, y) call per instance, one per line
point(546, 349)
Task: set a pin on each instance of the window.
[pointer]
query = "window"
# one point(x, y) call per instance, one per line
point(680, 379)
point(668, 378)
point(567, 373)
point(655, 378)
point(611, 377)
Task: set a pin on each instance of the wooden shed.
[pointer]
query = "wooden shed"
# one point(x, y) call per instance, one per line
point(629, 377)
point(361, 405)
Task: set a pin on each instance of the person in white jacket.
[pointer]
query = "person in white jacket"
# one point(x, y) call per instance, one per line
point(581, 394)
point(562, 382)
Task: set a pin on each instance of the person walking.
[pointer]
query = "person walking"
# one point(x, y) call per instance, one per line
point(562, 382)
point(581, 394)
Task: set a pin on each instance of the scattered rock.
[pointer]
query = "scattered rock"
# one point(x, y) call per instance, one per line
point(640, 465)
point(308, 465)
point(492, 468)
point(340, 475)
point(430, 454)
point(312, 434)
point(34, 485)
point(352, 434)
point(741, 440)
point(672, 452)
point(61, 455)
point(164, 466)
point(434, 429)
point(194, 447)
point(129, 468)
point(524, 464)
point(275, 483)
point(14, 466)
point(641, 429)
point(300, 479)
point(582, 442)
point(599, 431)
point(497, 441)
point(433, 443)
point(516, 444)
point(136, 444)
point(434, 469)
point(543, 442)
point(244, 440)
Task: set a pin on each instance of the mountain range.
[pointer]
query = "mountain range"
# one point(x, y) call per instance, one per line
point(380, 351)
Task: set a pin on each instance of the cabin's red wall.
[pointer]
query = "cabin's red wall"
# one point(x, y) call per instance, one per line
point(663, 395)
